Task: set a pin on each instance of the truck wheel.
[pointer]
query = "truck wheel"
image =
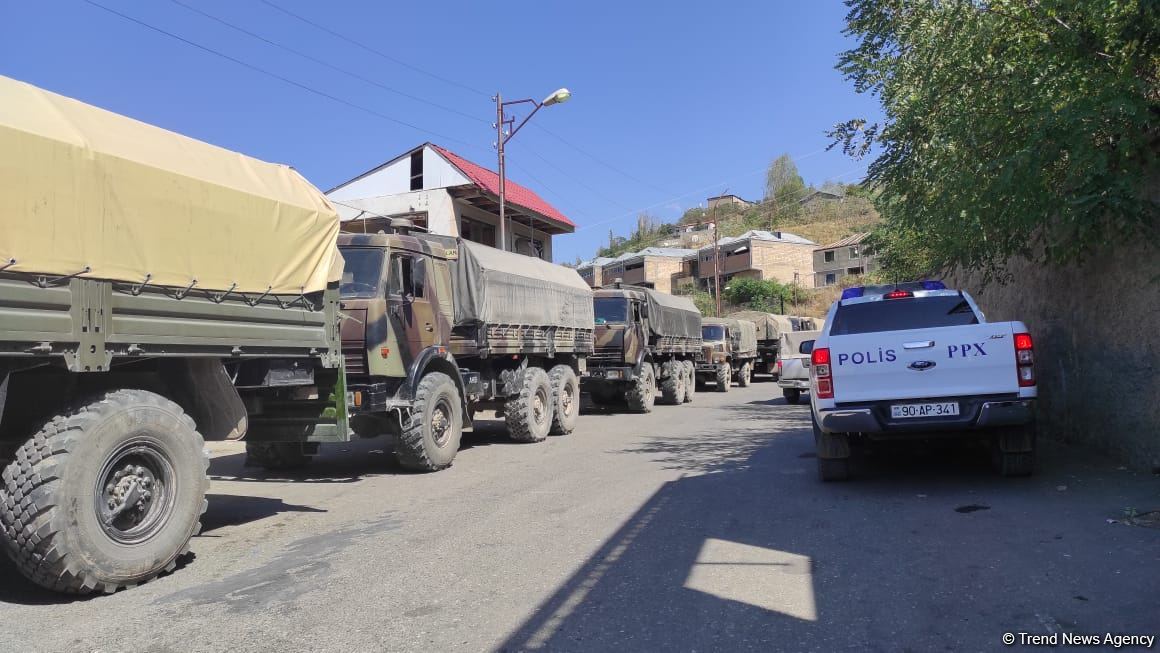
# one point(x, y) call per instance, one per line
point(672, 387)
point(280, 455)
point(565, 399)
point(1013, 451)
point(642, 393)
point(724, 377)
point(432, 440)
point(690, 380)
point(744, 375)
point(830, 469)
point(529, 415)
point(792, 395)
point(106, 496)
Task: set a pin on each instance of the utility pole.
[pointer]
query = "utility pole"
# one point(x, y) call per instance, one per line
point(716, 262)
point(499, 143)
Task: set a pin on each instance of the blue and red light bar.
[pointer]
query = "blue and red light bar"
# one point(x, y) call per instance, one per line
point(892, 291)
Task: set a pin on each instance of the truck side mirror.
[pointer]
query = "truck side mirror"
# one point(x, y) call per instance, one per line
point(807, 347)
point(644, 311)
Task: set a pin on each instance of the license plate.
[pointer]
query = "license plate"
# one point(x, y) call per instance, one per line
point(905, 411)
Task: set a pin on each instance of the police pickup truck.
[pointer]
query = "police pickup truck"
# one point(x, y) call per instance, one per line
point(919, 361)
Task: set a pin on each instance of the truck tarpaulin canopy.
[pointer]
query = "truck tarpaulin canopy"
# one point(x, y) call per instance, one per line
point(670, 315)
point(744, 332)
point(81, 187)
point(497, 287)
point(791, 342)
point(770, 326)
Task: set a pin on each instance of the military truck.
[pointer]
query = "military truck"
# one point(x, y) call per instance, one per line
point(155, 292)
point(644, 339)
point(437, 329)
point(728, 352)
point(770, 327)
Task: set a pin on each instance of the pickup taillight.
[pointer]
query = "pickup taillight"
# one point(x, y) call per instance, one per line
point(823, 380)
point(1025, 359)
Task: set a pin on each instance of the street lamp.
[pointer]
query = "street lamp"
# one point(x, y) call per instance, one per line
point(501, 120)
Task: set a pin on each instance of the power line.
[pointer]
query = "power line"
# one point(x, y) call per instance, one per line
point(374, 51)
point(276, 75)
point(325, 63)
point(599, 160)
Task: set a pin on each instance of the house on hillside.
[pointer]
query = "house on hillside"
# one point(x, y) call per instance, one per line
point(592, 272)
point(846, 257)
point(449, 195)
point(819, 198)
point(728, 201)
point(652, 267)
point(758, 254)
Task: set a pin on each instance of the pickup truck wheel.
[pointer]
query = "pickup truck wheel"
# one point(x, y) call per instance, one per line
point(690, 380)
point(565, 399)
point(432, 439)
point(672, 387)
point(642, 393)
point(1013, 451)
point(105, 496)
point(529, 415)
point(792, 395)
point(280, 455)
point(833, 469)
point(724, 377)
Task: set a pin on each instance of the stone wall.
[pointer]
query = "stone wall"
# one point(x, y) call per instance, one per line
point(1097, 346)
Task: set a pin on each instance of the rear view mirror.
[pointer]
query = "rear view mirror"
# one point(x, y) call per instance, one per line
point(807, 347)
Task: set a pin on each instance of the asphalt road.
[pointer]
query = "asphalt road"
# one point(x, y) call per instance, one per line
point(697, 527)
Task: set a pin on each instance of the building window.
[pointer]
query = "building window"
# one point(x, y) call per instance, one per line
point(477, 232)
point(854, 252)
point(828, 256)
point(417, 170)
point(857, 270)
point(634, 266)
point(831, 278)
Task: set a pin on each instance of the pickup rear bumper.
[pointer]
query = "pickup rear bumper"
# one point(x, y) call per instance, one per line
point(794, 384)
point(974, 413)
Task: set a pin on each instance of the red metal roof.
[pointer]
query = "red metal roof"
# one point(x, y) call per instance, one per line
point(516, 194)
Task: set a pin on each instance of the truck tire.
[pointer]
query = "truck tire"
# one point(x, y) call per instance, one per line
point(642, 393)
point(690, 380)
point(529, 415)
point(792, 395)
point(745, 375)
point(432, 439)
point(565, 399)
point(724, 377)
point(829, 469)
point(106, 495)
point(280, 455)
point(673, 386)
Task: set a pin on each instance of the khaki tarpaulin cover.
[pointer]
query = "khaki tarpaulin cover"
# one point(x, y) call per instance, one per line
point(790, 342)
point(84, 187)
point(743, 332)
point(672, 315)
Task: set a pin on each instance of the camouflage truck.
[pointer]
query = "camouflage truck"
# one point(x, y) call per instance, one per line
point(155, 292)
point(728, 352)
point(644, 339)
point(770, 327)
point(437, 329)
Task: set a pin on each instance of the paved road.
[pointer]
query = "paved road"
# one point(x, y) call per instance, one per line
point(698, 527)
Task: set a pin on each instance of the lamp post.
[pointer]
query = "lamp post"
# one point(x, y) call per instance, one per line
point(501, 139)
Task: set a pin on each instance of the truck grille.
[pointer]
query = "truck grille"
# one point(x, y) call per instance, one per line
point(355, 356)
point(606, 354)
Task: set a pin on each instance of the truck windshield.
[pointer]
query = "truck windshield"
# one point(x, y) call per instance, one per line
point(611, 310)
point(715, 333)
point(360, 276)
point(903, 315)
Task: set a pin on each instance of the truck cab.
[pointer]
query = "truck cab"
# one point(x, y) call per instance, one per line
point(728, 352)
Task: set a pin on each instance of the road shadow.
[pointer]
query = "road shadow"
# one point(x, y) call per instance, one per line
point(749, 551)
point(235, 509)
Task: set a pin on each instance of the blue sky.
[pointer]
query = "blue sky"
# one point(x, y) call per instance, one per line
point(672, 102)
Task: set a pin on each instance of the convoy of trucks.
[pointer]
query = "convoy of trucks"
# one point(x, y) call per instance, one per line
point(644, 339)
point(728, 352)
point(770, 328)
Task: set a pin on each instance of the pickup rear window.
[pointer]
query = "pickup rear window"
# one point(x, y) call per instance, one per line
point(903, 315)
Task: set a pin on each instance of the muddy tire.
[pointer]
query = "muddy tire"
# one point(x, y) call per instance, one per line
point(280, 455)
point(432, 439)
point(565, 399)
point(105, 496)
point(792, 395)
point(690, 380)
point(673, 386)
point(745, 375)
point(724, 377)
point(642, 393)
point(529, 415)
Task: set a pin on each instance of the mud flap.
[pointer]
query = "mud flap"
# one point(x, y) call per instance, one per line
point(204, 390)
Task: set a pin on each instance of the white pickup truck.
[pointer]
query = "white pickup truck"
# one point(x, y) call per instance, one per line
point(919, 361)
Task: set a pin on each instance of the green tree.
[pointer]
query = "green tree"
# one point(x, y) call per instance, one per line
point(783, 184)
point(757, 294)
point(1010, 128)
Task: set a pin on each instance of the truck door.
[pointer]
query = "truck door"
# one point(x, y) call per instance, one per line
point(409, 295)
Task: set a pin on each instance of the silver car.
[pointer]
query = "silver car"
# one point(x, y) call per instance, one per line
point(793, 363)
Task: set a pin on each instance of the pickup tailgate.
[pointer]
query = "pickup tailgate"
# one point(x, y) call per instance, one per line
point(976, 359)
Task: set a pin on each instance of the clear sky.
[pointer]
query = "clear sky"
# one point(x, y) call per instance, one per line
point(672, 101)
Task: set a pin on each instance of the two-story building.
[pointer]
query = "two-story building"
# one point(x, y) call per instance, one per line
point(758, 254)
point(846, 257)
point(652, 267)
point(592, 272)
point(449, 195)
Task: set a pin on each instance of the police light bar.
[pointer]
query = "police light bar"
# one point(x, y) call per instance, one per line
point(853, 293)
